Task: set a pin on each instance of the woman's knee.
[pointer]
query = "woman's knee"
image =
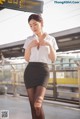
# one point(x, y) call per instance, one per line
point(38, 104)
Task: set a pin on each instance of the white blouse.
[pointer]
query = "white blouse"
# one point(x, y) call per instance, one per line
point(41, 54)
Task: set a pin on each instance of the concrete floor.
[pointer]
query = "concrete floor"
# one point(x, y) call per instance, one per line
point(19, 108)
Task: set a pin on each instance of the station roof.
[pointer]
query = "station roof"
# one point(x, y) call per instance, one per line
point(66, 40)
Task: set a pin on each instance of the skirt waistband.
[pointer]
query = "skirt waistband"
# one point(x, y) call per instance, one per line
point(38, 63)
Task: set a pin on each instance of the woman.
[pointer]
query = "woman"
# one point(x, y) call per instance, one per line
point(40, 49)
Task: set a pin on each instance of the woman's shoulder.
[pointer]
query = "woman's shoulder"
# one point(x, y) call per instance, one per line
point(30, 37)
point(27, 41)
point(50, 37)
point(53, 41)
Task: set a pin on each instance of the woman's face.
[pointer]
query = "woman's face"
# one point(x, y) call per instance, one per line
point(35, 26)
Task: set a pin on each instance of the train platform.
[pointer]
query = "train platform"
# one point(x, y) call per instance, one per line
point(19, 108)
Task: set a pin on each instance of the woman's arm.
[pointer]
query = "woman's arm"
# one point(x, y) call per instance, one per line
point(27, 54)
point(52, 54)
point(28, 49)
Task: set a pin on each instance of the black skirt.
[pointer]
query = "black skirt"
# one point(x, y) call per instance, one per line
point(36, 74)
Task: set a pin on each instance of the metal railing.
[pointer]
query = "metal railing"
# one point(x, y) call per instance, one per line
point(15, 78)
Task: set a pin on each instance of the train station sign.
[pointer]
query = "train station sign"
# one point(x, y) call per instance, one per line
point(35, 6)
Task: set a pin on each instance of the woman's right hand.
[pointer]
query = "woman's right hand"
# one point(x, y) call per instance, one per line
point(27, 53)
point(34, 43)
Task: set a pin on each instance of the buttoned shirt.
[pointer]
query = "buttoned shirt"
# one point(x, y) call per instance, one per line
point(41, 54)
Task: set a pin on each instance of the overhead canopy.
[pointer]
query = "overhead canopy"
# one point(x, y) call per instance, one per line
point(68, 39)
point(14, 25)
point(35, 6)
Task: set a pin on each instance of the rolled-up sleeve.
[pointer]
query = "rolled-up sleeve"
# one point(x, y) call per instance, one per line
point(55, 44)
point(27, 41)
